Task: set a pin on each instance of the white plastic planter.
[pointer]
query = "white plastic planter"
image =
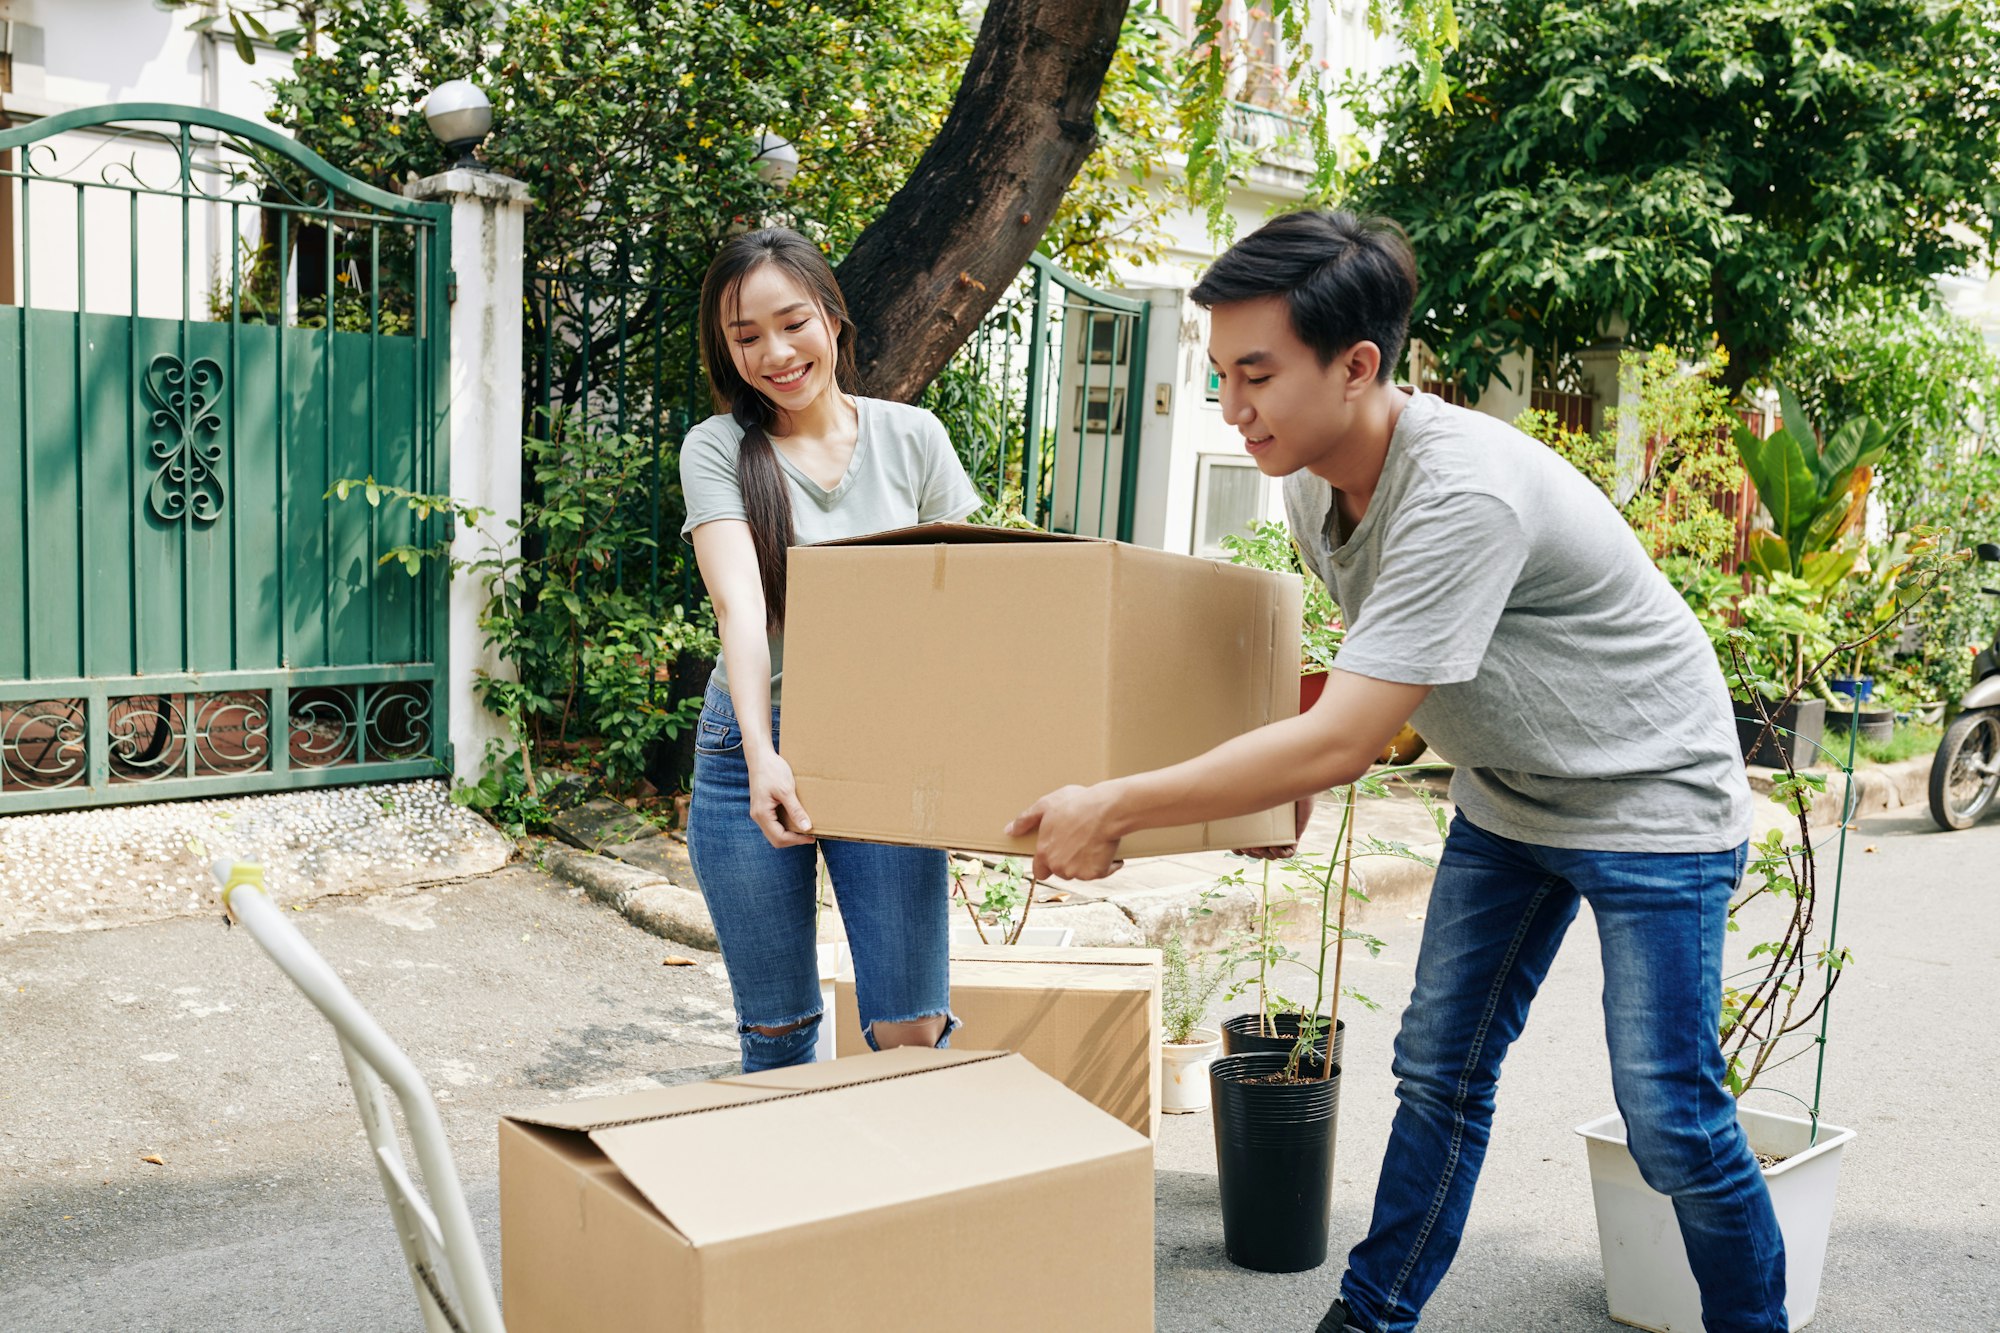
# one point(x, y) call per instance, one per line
point(1647, 1281)
point(1184, 1071)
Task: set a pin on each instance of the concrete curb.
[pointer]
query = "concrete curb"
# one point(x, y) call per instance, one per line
point(1877, 788)
point(649, 901)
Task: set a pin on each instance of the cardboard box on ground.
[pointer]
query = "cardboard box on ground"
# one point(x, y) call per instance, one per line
point(940, 679)
point(1089, 1017)
point(791, 1199)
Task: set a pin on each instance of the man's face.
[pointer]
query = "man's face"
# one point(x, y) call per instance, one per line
point(1291, 410)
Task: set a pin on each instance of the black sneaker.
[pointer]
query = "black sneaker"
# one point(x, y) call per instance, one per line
point(1335, 1320)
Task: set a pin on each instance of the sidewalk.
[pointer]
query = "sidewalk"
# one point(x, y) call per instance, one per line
point(645, 874)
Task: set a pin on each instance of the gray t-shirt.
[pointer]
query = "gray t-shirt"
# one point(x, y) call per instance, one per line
point(1574, 689)
point(903, 472)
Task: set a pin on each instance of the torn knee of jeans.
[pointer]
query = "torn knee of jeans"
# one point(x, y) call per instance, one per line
point(776, 1030)
point(951, 1025)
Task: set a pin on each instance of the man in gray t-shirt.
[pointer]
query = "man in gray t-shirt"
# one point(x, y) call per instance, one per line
point(1571, 685)
point(1497, 600)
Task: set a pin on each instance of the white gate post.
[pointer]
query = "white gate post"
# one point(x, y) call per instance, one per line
point(488, 217)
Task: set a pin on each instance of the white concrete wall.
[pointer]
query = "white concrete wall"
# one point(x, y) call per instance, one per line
point(68, 54)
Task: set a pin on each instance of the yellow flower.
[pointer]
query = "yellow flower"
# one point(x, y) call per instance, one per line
point(370, 87)
point(396, 130)
point(681, 158)
point(706, 141)
point(347, 121)
point(687, 80)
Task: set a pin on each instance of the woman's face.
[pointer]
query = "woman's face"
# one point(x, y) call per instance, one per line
point(782, 342)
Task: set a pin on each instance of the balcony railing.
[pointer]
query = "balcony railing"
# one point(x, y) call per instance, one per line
point(1278, 138)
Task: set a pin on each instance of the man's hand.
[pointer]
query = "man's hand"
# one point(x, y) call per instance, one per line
point(774, 804)
point(1075, 841)
point(1302, 813)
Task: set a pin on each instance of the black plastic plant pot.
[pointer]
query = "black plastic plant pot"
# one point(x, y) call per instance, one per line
point(1801, 726)
point(1274, 1159)
point(1876, 724)
point(1242, 1035)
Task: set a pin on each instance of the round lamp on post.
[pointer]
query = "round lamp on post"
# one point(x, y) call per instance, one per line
point(459, 115)
point(777, 160)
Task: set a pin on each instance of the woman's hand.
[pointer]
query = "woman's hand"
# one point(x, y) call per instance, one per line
point(774, 803)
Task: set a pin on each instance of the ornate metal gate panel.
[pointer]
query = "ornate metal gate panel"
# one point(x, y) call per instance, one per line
point(212, 326)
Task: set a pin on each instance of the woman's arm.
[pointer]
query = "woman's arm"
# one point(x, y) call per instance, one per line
point(728, 561)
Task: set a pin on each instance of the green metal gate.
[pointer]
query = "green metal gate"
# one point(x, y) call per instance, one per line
point(212, 325)
point(1069, 362)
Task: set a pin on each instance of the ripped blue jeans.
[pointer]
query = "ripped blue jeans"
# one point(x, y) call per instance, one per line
point(895, 902)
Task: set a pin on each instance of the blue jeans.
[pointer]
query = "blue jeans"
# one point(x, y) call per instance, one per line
point(895, 902)
point(1497, 912)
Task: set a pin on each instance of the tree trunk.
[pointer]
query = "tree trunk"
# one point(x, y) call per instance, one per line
point(925, 272)
point(1749, 356)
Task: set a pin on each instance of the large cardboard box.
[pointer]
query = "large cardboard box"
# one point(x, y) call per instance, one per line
point(806, 1198)
point(940, 679)
point(1089, 1017)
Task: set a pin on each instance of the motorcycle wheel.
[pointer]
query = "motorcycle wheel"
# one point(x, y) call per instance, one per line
point(1966, 772)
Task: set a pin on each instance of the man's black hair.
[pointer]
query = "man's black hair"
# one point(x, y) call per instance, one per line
point(1346, 279)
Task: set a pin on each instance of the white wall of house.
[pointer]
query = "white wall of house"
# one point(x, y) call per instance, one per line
point(1195, 482)
point(65, 54)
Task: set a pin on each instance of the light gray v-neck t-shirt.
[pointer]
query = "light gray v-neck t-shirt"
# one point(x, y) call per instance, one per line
point(1574, 690)
point(903, 472)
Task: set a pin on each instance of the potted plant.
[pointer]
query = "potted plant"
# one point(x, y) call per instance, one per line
point(1864, 698)
point(1814, 496)
point(1188, 982)
point(1782, 631)
point(1276, 1111)
point(1785, 989)
point(1275, 1114)
point(1278, 1023)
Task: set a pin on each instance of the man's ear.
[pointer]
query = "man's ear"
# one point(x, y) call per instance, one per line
point(1362, 362)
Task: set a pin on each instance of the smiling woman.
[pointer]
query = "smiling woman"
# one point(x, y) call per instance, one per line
point(793, 458)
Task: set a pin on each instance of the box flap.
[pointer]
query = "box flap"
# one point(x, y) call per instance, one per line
point(598, 1112)
point(731, 1090)
point(955, 534)
point(889, 1130)
point(821, 1075)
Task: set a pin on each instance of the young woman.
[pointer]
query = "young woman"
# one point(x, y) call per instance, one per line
point(791, 457)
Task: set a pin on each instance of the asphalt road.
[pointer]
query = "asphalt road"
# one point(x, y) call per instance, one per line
point(179, 1040)
point(1911, 1066)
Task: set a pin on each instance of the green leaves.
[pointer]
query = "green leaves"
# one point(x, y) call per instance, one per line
point(1739, 161)
point(631, 121)
point(1811, 494)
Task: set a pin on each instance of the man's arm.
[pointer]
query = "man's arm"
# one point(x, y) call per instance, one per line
point(1329, 746)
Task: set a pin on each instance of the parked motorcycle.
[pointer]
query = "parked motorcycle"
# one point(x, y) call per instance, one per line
point(1966, 773)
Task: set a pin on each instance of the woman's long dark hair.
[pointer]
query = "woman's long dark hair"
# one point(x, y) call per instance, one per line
point(766, 502)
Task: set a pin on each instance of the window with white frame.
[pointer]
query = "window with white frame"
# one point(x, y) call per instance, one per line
point(1228, 499)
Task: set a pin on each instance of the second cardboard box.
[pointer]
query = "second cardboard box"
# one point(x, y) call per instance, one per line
point(1089, 1017)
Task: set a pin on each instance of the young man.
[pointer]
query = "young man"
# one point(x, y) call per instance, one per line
point(1496, 599)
